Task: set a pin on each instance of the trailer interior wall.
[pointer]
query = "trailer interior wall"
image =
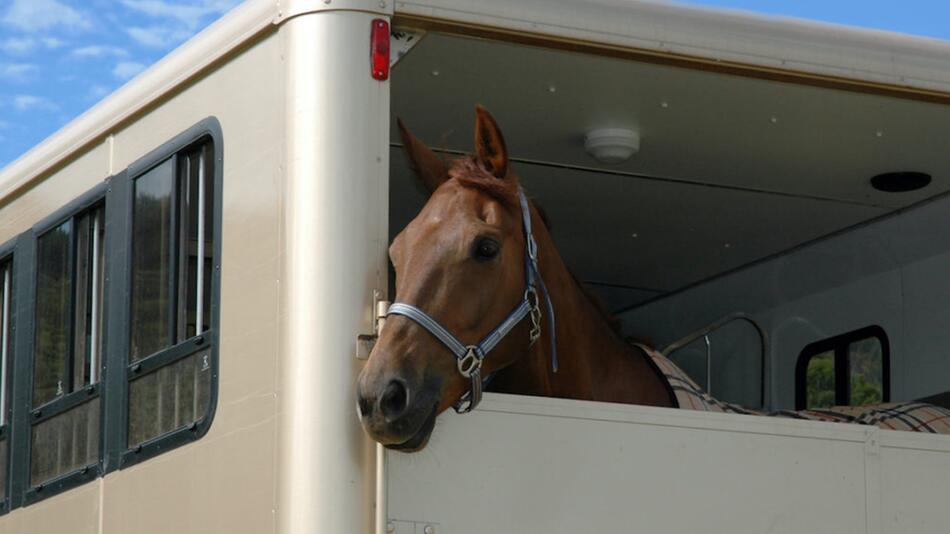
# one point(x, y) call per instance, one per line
point(731, 170)
point(225, 481)
point(891, 273)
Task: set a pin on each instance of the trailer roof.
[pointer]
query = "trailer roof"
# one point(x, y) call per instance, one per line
point(873, 59)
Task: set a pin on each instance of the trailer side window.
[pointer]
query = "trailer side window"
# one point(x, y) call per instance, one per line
point(6, 328)
point(850, 369)
point(67, 347)
point(170, 362)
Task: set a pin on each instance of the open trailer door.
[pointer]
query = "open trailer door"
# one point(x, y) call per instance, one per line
point(758, 142)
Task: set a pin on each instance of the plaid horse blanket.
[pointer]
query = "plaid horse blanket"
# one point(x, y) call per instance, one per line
point(909, 416)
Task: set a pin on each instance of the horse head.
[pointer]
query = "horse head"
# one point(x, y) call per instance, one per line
point(461, 263)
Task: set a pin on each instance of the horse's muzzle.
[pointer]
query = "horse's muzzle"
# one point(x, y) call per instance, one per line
point(398, 416)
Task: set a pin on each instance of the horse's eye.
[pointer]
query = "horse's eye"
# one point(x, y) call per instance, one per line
point(485, 249)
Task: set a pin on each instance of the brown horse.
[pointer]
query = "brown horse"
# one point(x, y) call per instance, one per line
point(462, 260)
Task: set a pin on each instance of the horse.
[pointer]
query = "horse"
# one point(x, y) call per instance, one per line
point(476, 271)
point(461, 260)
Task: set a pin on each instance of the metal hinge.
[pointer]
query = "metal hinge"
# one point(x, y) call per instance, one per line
point(365, 342)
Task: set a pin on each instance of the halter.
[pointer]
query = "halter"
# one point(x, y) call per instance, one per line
point(470, 357)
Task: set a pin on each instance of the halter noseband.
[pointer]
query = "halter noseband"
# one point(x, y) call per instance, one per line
point(470, 357)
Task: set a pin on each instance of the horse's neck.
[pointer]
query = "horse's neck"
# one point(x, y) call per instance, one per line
point(594, 362)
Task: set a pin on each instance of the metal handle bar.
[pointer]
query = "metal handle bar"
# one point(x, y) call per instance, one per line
point(716, 325)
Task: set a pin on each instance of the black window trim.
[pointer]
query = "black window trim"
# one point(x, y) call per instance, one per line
point(29, 493)
point(115, 193)
point(119, 454)
point(839, 345)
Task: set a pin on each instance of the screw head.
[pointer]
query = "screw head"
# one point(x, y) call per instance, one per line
point(429, 529)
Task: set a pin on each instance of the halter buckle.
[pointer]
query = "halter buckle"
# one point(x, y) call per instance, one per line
point(531, 295)
point(471, 363)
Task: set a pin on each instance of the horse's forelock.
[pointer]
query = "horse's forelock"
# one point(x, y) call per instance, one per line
point(469, 174)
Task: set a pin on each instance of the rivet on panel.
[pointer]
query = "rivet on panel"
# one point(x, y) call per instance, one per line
point(664, 104)
point(429, 529)
point(435, 73)
point(879, 133)
point(773, 119)
point(390, 527)
point(552, 89)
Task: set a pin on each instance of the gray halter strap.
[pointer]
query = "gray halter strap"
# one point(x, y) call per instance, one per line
point(470, 357)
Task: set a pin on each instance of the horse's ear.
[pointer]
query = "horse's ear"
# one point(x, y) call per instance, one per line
point(428, 168)
point(489, 144)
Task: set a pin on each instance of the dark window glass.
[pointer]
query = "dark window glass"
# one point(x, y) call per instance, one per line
point(171, 299)
point(87, 341)
point(865, 358)
point(6, 305)
point(52, 314)
point(151, 261)
point(821, 380)
point(3, 469)
point(846, 370)
point(171, 397)
point(6, 327)
point(65, 442)
point(67, 355)
point(195, 255)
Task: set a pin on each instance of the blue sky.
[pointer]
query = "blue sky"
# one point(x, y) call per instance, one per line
point(59, 57)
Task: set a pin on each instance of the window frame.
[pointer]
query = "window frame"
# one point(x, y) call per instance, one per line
point(114, 194)
point(118, 454)
point(26, 416)
point(840, 346)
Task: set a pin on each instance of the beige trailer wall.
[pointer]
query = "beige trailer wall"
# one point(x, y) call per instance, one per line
point(225, 481)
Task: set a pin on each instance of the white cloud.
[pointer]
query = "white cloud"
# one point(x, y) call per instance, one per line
point(16, 45)
point(96, 92)
point(28, 102)
point(187, 14)
point(16, 72)
point(158, 36)
point(96, 51)
point(181, 20)
point(36, 15)
point(52, 43)
point(127, 69)
point(23, 45)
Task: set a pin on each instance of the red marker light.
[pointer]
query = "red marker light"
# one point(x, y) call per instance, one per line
point(379, 48)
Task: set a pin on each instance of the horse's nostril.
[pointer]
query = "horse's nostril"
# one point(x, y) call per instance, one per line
point(365, 406)
point(395, 399)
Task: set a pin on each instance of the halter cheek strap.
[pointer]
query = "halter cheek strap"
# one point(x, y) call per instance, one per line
point(470, 357)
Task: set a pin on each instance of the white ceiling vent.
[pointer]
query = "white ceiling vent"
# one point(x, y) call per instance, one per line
point(612, 145)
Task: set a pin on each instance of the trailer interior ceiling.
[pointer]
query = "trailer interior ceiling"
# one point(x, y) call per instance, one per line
point(730, 170)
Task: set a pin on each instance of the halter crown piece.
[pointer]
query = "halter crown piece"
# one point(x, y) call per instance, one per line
point(470, 357)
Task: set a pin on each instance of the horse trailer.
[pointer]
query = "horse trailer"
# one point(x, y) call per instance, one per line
point(193, 273)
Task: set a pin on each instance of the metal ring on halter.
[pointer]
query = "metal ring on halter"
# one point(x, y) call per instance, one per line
point(471, 362)
point(531, 295)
